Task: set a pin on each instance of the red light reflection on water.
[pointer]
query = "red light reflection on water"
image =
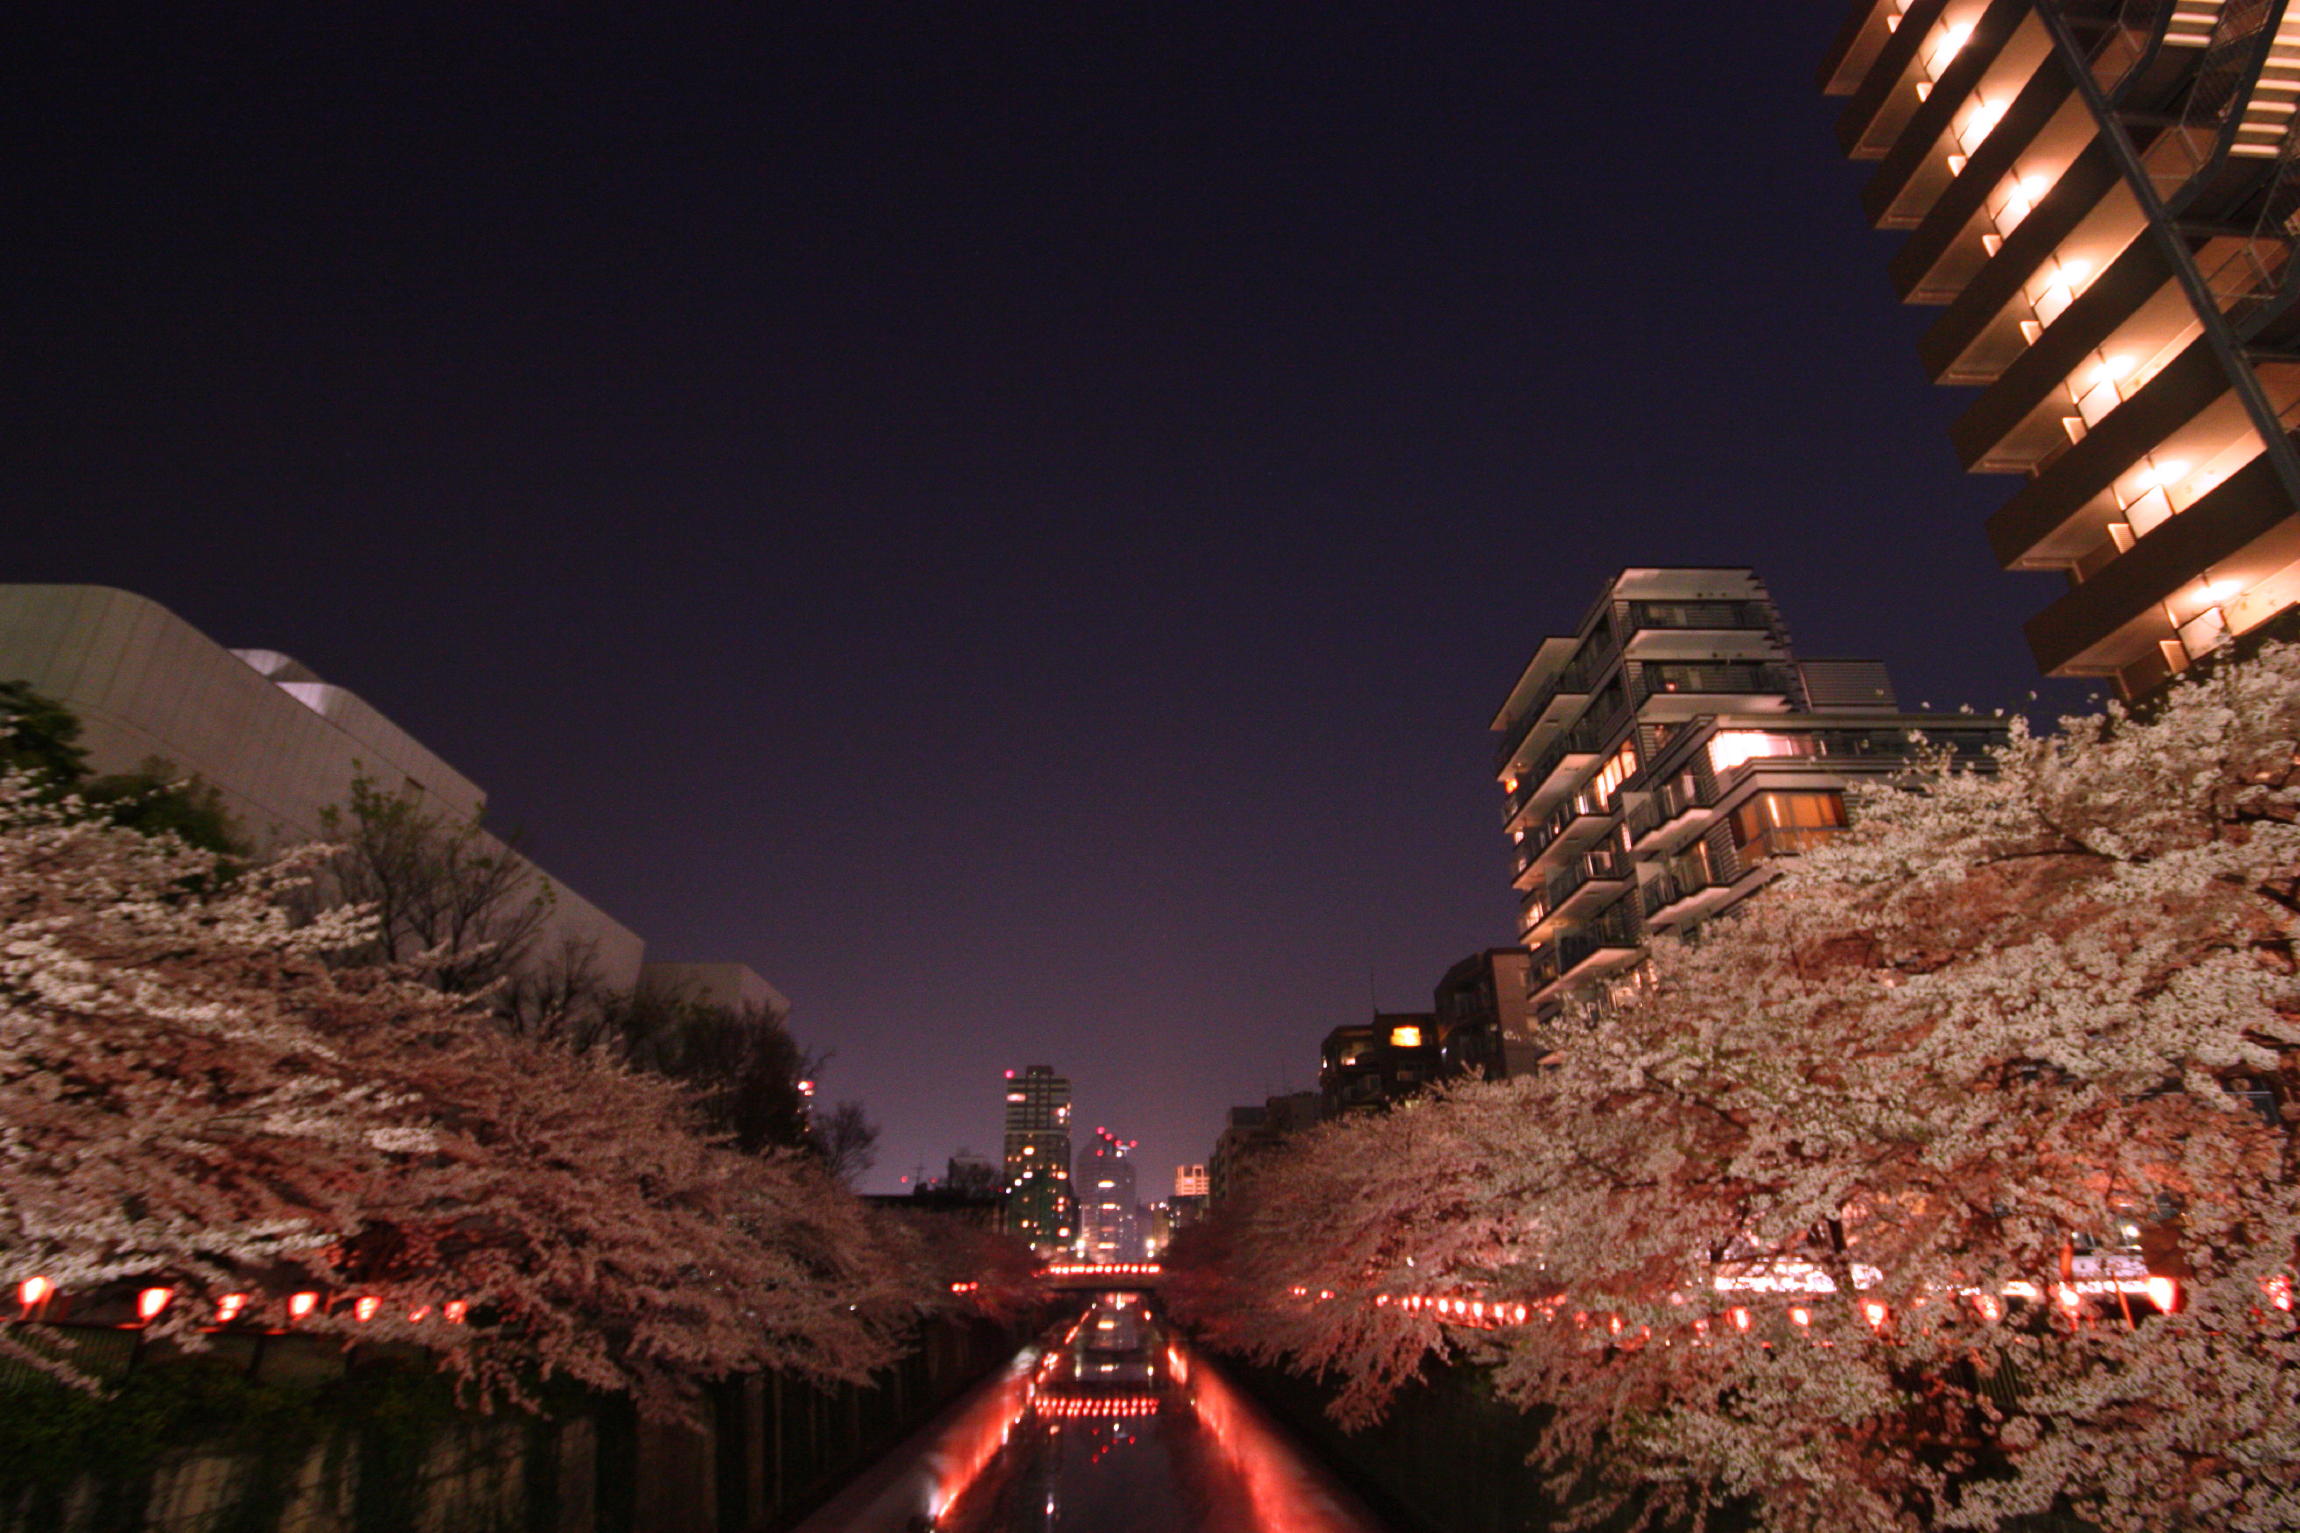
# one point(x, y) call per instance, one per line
point(967, 1450)
point(1285, 1499)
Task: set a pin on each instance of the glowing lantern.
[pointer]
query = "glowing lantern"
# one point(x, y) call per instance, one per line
point(302, 1304)
point(2164, 1293)
point(364, 1307)
point(1740, 1320)
point(151, 1301)
point(453, 1311)
point(1874, 1313)
point(2279, 1292)
point(34, 1291)
point(1799, 1315)
point(229, 1306)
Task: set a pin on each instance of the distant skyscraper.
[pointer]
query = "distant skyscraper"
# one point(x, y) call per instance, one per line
point(1040, 1206)
point(2099, 201)
point(1111, 1223)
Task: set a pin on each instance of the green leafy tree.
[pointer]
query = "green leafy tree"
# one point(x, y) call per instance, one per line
point(39, 735)
point(158, 799)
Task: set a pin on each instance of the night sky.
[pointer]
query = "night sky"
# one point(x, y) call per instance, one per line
point(1011, 519)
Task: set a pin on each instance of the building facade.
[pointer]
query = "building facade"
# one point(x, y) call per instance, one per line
point(1366, 1065)
point(1253, 1132)
point(1484, 1016)
point(282, 748)
point(1657, 761)
point(1193, 1187)
point(1040, 1205)
point(1109, 1220)
point(2099, 198)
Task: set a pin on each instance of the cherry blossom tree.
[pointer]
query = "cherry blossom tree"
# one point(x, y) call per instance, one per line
point(1802, 1226)
point(195, 1092)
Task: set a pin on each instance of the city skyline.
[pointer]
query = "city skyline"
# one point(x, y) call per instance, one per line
point(1030, 583)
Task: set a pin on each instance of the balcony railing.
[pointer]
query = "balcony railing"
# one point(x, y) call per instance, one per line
point(1604, 866)
point(1785, 841)
point(1699, 614)
point(1579, 678)
point(1662, 892)
point(1586, 738)
point(1672, 677)
point(1617, 930)
point(1574, 811)
point(1666, 803)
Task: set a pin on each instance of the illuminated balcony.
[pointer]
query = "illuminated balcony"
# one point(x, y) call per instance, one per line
point(1982, 110)
point(1672, 690)
point(1572, 827)
point(1669, 812)
point(1674, 903)
point(1583, 957)
point(2129, 325)
point(1560, 769)
point(2151, 608)
point(1591, 882)
point(1921, 49)
point(2079, 229)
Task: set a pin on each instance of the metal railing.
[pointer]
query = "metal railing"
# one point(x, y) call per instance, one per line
point(1699, 614)
point(1668, 677)
point(1604, 865)
point(1585, 738)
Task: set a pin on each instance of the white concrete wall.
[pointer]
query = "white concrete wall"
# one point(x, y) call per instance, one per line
point(279, 744)
point(734, 985)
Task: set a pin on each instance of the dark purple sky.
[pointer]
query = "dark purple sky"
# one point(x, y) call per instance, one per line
point(1012, 519)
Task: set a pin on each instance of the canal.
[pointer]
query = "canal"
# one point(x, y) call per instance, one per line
point(1109, 1425)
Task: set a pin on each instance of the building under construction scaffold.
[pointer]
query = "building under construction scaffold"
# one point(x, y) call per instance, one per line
point(2100, 196)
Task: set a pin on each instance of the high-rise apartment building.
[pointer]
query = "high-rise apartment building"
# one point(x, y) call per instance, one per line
point(1040, 1206)
point(2100, 198)
point(1110, 1224)
point(1660, 758)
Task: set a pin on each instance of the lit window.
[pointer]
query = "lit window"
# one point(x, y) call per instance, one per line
point(1618, 769)
point(1772, 824)
point(1405, 1037)
point(1730, 748)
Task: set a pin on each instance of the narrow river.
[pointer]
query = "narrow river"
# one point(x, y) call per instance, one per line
point(1111, 1426)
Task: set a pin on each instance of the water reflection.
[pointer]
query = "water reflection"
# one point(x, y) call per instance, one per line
point(1112, 1430)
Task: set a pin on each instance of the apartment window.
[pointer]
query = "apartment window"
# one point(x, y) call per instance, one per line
point(1618, 769)
point(1729, 748)
point(1784, 824)
point(1690, 870)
